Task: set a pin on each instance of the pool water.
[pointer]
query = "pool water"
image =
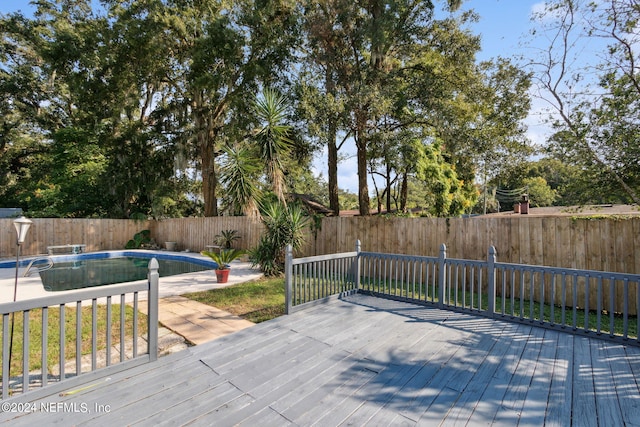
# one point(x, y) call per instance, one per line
point(85, 273)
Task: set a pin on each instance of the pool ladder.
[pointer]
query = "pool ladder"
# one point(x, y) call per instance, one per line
point(31, 268)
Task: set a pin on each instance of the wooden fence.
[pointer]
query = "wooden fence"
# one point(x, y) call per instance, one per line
point(97, 234)
point(195, 234)
point(594, 244)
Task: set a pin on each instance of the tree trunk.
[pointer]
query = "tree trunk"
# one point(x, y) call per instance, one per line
point(332, 149)
point(404, 190)
point(361, 146)
point(209, 178)
point(388, 184)
point(206, 147)
point(334, 202)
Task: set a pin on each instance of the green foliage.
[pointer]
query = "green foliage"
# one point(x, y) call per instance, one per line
point(387, 74)
point(595, 99)
point(264, 255)
point(65, 178)
point(347, 200)
point(227, 237)
point(224, 257)
point(140, 240)
point(143, 82)
point(550, 182)
point(284, 225)
point(540, 194)
point(239, 173)
point(446, 193)
point(125, 111)
point(262, 155)
point(273, 137)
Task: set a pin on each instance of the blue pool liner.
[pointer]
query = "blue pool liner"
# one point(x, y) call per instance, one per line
point(117, 254)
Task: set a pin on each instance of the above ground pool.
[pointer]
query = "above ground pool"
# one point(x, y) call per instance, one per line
point(105, 268)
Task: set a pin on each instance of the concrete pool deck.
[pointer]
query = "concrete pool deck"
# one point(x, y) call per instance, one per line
point(196, 322)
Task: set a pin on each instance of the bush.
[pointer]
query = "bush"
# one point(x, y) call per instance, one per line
point(284, 226)
point(226, 238)
point(141, 240)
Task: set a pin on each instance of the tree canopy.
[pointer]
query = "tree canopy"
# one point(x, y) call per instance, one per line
point(171, 108)
point(593, 99)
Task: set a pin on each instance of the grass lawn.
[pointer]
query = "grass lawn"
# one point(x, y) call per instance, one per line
point(529, 310)
point(53, 334)
point(263, 299)
point(256, 301)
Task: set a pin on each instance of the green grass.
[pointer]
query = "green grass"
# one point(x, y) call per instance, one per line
point(53, 334)
point(580, 321)
point(264, 299)
point(257, 301)
point(391, 288)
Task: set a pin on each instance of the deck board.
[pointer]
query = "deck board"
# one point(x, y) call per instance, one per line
point(583, 399)
point(559, 402)
point(626, 383)
point(536, 399)
point(369, 361)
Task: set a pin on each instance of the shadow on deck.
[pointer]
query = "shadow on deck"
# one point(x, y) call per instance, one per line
point(365, 360)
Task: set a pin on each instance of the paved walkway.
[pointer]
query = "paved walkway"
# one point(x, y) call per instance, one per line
point(196, 322)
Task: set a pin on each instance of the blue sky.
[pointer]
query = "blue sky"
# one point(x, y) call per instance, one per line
point(502, 26)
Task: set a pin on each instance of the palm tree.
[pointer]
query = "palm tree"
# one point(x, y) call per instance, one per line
point(272, 138)
point(238, 174)
point(268, 146)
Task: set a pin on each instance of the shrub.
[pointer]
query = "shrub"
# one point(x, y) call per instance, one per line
point(140, 240)
point(284, 225)
point(226, 238)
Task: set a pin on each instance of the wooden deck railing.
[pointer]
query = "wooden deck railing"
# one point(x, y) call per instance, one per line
point(120, 301)
point(588, 302)
point(312, 280)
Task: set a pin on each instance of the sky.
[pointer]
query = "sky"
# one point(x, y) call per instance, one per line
point(502, 26)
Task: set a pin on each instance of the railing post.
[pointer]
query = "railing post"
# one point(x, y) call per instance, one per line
point(491, 280)
point(357, 266)
point(5, 350)
point(288, 278)
point(152, 310)
point(442, 274)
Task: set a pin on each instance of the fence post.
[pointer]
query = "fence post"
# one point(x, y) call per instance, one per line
point(152, 309)
point(357, 266)
point(442, 274)
point(288, 273)
point(491, 280)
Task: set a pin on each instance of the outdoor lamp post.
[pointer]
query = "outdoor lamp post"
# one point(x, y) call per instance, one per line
point(22, 225)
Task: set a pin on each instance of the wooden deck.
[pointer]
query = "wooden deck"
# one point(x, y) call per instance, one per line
point(364, 360)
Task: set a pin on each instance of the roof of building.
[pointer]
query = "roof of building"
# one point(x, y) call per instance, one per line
point(585, 210)
point(312, 204)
